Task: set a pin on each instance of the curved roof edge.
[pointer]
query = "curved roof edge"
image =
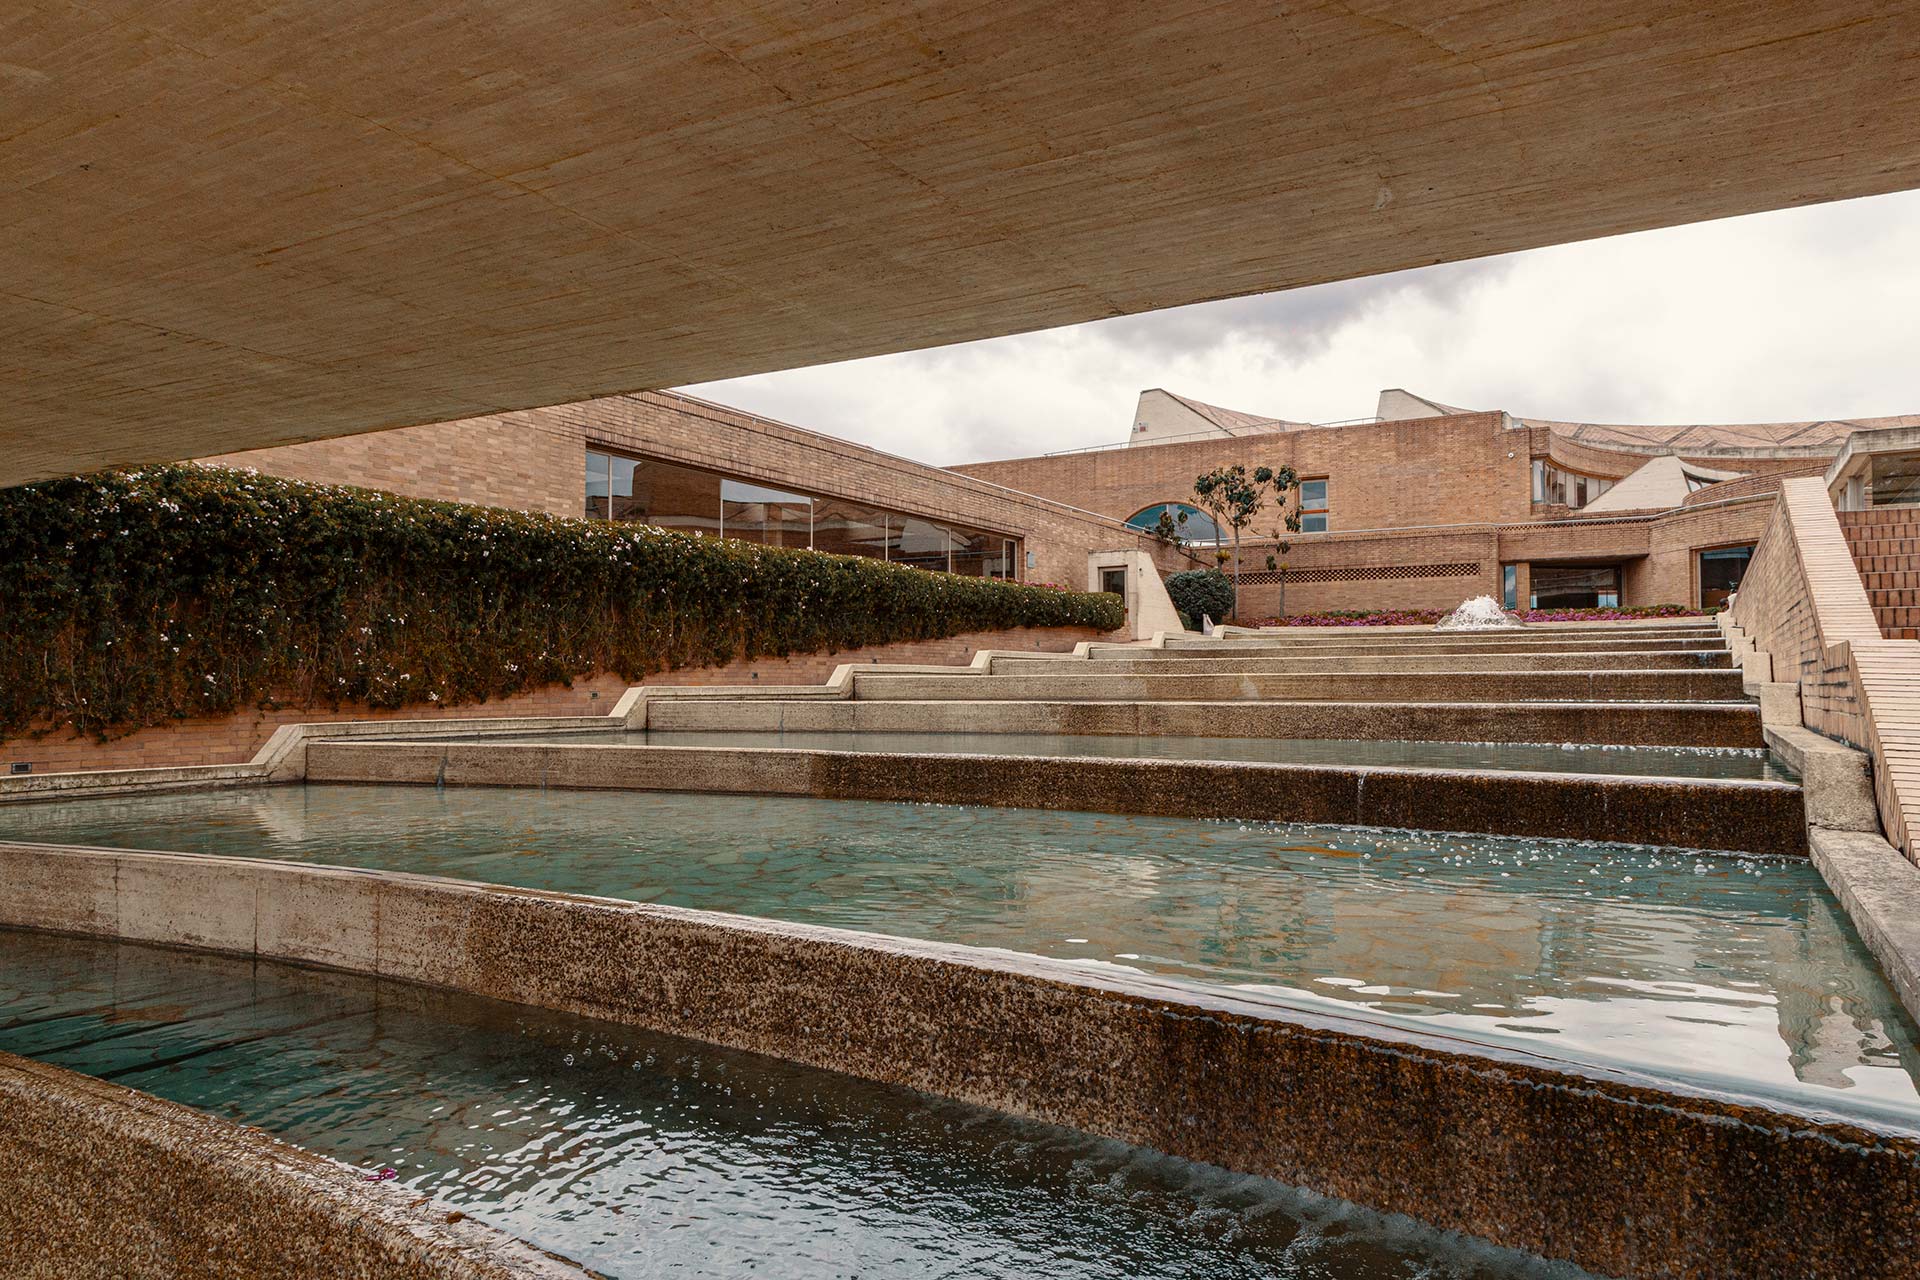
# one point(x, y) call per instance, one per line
point(1816, 437)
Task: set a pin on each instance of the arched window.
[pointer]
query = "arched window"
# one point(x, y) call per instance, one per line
point(1194, 525)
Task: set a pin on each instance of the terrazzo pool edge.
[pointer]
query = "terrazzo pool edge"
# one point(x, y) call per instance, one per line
point(89, 1161)
point(1511, 1150)
point(1739, 816)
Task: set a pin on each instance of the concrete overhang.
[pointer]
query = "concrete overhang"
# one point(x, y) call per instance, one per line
point(228, 224)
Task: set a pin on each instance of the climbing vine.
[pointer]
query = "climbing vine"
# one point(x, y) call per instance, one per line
point(129, 599)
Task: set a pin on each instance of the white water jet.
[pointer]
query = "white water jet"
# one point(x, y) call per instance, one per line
point(1482, 613)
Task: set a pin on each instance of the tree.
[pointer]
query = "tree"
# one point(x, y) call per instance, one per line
point(1233, 497)
point(1289, 525)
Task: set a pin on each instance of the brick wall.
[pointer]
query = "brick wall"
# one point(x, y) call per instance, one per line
point(1885, 544)
point(1385, 475)
point(234, 739)
point(536, 461)
point(1803, 602)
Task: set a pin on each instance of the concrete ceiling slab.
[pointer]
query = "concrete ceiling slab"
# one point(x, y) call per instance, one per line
point(228, 224)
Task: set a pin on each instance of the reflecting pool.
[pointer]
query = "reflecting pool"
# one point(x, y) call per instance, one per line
point(645, 1156)
point(1739, 974)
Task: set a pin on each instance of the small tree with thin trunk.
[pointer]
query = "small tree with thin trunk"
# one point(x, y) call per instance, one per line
point(1282, 535)
point(1233, 497)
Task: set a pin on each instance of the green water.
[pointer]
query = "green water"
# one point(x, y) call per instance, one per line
point(1735, 974)
point(645, 1156)
point(1668, 762)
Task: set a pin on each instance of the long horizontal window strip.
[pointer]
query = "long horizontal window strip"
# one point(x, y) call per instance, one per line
point(668, 495)
point(1364, 573)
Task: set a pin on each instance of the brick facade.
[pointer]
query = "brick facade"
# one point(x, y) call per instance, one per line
point(1427, 512)
point(536, 461)
point(235, 738)
point(1803, 602)
point(1424, 513)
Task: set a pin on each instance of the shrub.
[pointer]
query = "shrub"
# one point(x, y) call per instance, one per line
point(128, 599)
point(1201, 591)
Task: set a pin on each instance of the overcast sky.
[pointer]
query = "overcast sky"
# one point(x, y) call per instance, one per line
point(1804, 313)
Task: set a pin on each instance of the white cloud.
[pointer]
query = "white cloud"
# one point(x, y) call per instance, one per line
point(1803, 313)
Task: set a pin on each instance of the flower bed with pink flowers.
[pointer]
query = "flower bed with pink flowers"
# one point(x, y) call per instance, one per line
point(1428, 617)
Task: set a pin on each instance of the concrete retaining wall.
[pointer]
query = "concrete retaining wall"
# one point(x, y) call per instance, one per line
point(1680, 724)
point(1603, 1168)
point(101, 1180)
point(1738, 816)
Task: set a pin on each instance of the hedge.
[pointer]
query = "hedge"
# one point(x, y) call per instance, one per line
point(1199, 592)
point(130, 599)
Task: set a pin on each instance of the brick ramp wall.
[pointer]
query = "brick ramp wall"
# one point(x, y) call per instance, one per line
point(234, 739)
point(1803, 602)
point(1885, 543)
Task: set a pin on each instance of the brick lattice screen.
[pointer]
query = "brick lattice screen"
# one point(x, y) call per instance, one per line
point(1363, 573)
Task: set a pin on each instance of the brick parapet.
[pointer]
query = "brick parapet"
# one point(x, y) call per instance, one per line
point(1803, 602)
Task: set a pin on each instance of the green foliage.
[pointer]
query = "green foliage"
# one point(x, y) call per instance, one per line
point(1199, 591)
point(1233, 497)
point(129, 599)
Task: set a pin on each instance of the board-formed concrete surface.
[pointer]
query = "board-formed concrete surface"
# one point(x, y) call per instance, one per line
point(1519, 1147)
point(230, 226)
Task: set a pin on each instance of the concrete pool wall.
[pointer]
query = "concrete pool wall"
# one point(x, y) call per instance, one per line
point(1746, 816)
point(106, 1180)
point(1518, 1148)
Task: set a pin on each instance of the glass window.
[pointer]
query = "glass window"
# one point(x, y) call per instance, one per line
point(675, 497)
point(1569, 586)
point(596, 485)
point(972, 549)
point(1895, 479)
point(1568, 488)
point(920, 543)
point(1190, 523)
point(849, 529)
point(1313, 506)
point(752, 513)
point(1510, 586)
point(690, 500)
point(1720, 572)
point(620, 472)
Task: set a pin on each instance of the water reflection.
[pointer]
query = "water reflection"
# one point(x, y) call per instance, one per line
point(1711, 968)
point(645, 1156)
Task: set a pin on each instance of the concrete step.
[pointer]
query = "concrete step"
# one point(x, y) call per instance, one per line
point(1745, 816)
point(1349, 642)
point(1451, 686)
point(1695, 626)
point(1676, 724)
point(1150, 663)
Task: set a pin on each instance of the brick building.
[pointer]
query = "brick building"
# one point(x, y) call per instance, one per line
point(1425, 504)
point(1420, 506)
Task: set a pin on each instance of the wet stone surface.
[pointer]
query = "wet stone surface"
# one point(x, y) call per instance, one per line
point(1723, 970)
point(646, 1155)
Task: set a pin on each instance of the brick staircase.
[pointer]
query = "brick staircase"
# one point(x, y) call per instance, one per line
point(1885, 543)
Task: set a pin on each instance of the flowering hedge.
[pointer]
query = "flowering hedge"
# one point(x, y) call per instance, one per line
point(129, 599)
point(1427, 617)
